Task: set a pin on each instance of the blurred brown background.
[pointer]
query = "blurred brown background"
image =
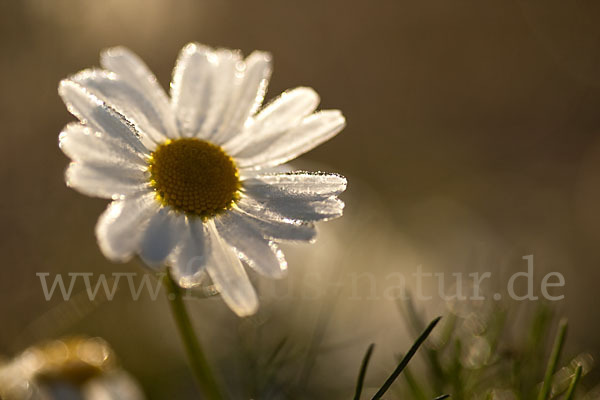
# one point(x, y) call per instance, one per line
point(472, 139)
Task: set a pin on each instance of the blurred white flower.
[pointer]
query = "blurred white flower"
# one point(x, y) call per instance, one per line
point(191, 177)
point(77, 368)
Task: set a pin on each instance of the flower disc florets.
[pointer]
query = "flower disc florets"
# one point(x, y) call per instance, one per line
point(194, 177)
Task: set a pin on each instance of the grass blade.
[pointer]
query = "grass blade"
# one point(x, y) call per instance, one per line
point(406, 359)
point(363, 371)
point(573, 383)
point(442, 397)
point(277, 350)
point(553, 361)
point(316, 340)
point(412, 317)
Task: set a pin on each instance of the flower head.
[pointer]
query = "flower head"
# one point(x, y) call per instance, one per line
point(191, 176)
point(75, 367)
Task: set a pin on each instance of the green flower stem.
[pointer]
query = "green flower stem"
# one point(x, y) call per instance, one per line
point(201, 369)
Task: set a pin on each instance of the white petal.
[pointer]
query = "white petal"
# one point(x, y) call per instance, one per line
point(128, 100)
point(275, 226)
point(299, 184)
point(192, 87)
point(120, 227)
point(81, 143)
point(92, 111)
point(293, 209)
point(163, 233)
point(192, 254)
point(247, 173)
point(132, 70)
point(259, 253)
point(105, 181)
point(228, 274)
point(222, 81)
point(249, 89)
point(280, 115)
point(302, 210)
point(311, 132)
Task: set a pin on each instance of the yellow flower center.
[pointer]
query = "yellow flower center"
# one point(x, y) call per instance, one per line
point(194, 176)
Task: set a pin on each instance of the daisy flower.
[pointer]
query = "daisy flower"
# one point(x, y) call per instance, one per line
point(193, 176)
point(70, 368)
